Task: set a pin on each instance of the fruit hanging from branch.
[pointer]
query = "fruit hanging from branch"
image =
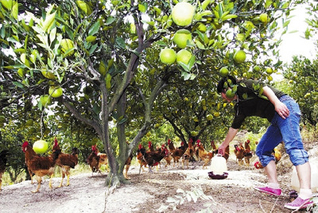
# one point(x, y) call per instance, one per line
point(40, 146)
point(55, 91)
point(182, 37)
point(168, 56)
point(182, 13)
point(239, 56)
point(184, 56)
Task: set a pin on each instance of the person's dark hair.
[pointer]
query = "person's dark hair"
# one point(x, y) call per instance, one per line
point(220, 86)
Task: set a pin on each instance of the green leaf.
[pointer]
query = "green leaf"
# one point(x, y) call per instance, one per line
point(110, 20)
point(142, 7)
point(92, 49)
point(229, 17)
point(94, 29)
point(199, 45)
point(18, 84)
point(121, 42)
point(286, 23)
point(84, 6)
point(49, 21)
point(7, 4)
point(15, 10)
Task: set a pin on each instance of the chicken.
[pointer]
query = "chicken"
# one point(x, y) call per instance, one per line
point(204, 155)
point(248, 154)
point(96, 159)
point(168, 158)
point(188, 154)
point(150, 146)
point(152, 158)
point(127, 165)
point(140, 158)
point(213, 146)
point(3, 163)
point(227, 153)
point(28, 155)
point(177, 153)
point(93, 160)
point(277, 154)
point(171, 146)
point(66, 162)
point(239, 152)
point(40, 165)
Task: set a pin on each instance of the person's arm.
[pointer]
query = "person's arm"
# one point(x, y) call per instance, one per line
point(229, 137)
point(280, 107)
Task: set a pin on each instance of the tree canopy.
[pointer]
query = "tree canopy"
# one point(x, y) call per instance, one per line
point(99, 63)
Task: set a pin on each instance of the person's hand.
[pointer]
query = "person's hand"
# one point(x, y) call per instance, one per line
point(282, 110)
point(221, 149)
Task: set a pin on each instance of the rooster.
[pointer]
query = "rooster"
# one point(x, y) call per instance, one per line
point(171, 146)
point(140, 158)
point(151, 158)
point(66, 162)
point(168, 158)
point(96, 159)
point(28, 155)
point(39, 165)
point(188, 154)
point(239, 152)
point(213, 146)
point(248, 154)
point(204, 155)
point(93, 160)
point(3, 162)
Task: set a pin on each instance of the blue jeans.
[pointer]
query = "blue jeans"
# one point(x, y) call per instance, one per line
point(283, 130)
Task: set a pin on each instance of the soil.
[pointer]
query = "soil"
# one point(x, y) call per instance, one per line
point(168, 189)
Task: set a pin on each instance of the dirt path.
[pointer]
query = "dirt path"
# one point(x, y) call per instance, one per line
point(190, 190)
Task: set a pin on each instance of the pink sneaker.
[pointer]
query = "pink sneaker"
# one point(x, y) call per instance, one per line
point(268, 190)
point(298, 203)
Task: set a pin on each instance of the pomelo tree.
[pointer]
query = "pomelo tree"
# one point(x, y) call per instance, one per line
point(114, 47)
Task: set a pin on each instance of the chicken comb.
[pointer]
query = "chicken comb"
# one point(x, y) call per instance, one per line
point(140, 146)
point(55, 142)
point(169, 140)
point(182, 142)
point(256, 164)
point(93, 147)
point(25, 144)
point(248, 141)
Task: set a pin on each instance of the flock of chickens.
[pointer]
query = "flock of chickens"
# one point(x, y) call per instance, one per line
point(40, 166)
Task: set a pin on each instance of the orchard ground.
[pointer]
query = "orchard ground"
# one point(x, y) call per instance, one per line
point(170, 189)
